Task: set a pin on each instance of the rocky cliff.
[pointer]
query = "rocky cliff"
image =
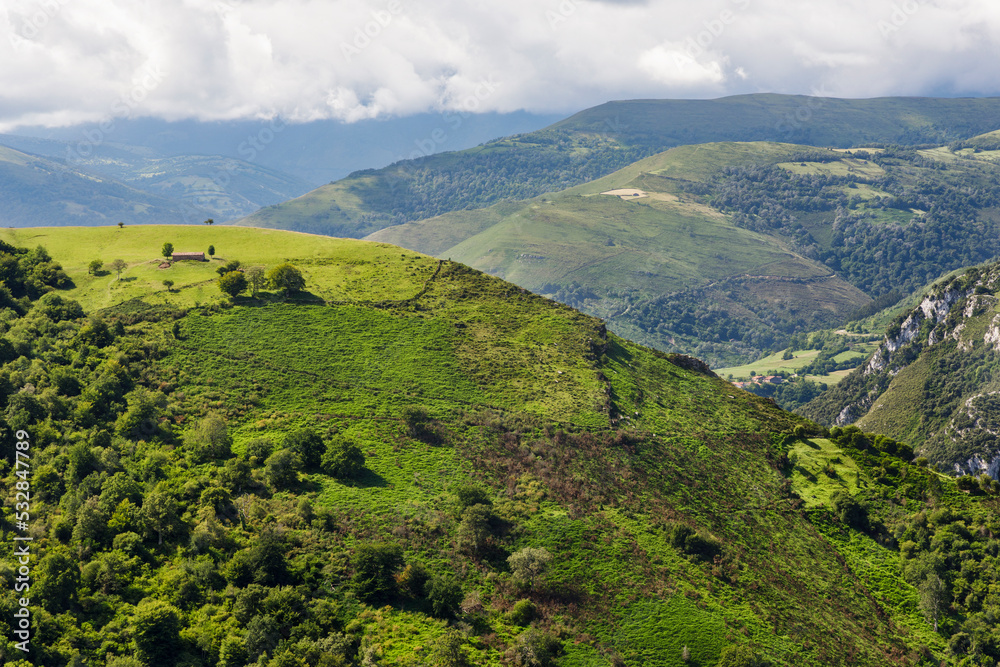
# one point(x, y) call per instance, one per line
point(935, 379)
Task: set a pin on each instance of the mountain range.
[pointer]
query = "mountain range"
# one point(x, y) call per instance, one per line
point(600, 140)
point(185, 171)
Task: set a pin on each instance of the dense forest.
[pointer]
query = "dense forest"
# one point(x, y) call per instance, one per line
point(929, 219)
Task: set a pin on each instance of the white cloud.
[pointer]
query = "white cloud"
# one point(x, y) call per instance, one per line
point(672, 65)
point(67, 61)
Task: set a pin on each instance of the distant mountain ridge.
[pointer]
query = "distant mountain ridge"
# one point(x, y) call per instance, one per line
point(35, 189)
point(200, 186)
point(597, 141)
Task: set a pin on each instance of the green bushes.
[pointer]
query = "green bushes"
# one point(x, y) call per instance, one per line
point(534, 649)
point(417, 421)
point(523, 613)
point(375, 567)
point(156, 628)
point(468, 495)
point(850, 510)
point(209, 439)
point(528, 565)
point(308, 445)
point(343, 459)
point(281, 469)
point(257, 450)
point(444, 594)
point(233, 283)
point(698, 545)
point(286, 279)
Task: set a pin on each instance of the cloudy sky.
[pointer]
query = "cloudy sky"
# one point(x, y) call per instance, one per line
point(70, 61)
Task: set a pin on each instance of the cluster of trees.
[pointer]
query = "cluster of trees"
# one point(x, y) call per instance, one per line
point(234, 280)
point(573, 294)
point(723, 325)
point(950, 548)
point(791, 394)
point(117, 265)
point(28, 274)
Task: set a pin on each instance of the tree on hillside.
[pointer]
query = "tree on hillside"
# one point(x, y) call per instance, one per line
point(209, 439)
point(417, 421)
point(169, 284)
point(167, 250)
point(449, 651)
point(231, 265)
point(375, 567)
point(160, 514)
point(233, 283)
point(94, 266)
point(210, 222)
point(308, 445)
point(156, 629)
point(475, 529)
point(256, 277)
point(343, 459)
point(281, 469)
point(286, 278)
point(120, 225)
point(933, 598)
point(445, 596)
point(850, 510)
point(528, 564)
point(118, 265)
point(211, 251)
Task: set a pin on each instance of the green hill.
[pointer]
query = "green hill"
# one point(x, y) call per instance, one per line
point(414, 463)
point(732, 247)
point(597, 141)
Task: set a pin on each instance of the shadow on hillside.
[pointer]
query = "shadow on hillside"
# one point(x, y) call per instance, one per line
point(307, 485)
point(269, 298)
point(367, 479)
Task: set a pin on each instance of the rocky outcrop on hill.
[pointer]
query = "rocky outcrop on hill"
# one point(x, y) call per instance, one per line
point(935, 379)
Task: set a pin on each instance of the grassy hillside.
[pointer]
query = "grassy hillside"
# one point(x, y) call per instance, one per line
point(600, 140)
point(623, 257)
point(194, 282)
point(440, 469)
